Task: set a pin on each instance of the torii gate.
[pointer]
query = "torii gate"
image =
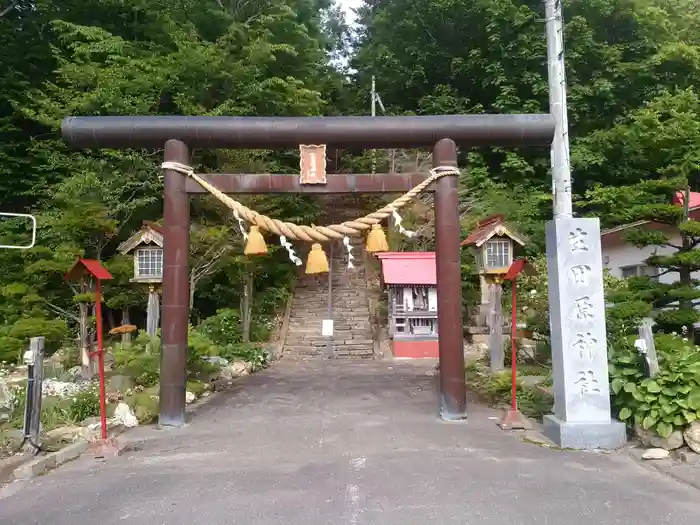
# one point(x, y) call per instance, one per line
point(180, 134)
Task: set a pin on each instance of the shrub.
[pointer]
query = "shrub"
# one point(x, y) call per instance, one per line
point(667, 402)
point(200, 345)
point(84, 405)
point(53, 331)
point(225, 326)
point(139, 359)
point(495, 389)
point(10, 349)
point(222, 328)
point(251, 353)
point(145, 406)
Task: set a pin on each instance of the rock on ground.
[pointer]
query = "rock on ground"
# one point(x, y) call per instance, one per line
point(215, 360)
point(6, 396)
point(692, 436)
point(649, 438)
point(51, 387)
point(124, 416)
point(237, 369)
point(655, 453)
point(189, 397)
point(689, 457)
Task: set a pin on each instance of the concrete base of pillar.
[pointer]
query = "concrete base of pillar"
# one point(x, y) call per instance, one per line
point(585, 436)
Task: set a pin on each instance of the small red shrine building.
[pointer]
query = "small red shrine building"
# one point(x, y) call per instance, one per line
point(411, 282)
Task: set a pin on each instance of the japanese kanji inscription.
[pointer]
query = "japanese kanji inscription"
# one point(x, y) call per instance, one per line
point(577, 309)
point(312, 163)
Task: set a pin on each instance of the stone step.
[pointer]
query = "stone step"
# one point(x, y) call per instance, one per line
point(314, 325)
point(338, 312)
point(319, 342)
point(311, 350)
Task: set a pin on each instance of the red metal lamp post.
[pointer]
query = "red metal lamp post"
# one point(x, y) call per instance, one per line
point(513, 419)
point(93, 268)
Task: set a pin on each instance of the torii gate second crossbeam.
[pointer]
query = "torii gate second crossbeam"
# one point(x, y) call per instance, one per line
point(180, 134)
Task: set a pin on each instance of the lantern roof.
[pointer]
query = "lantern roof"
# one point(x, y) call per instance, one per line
point(92, 267)
point(489, 227)
point(150, 233)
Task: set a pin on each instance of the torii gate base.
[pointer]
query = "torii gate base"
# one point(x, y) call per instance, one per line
point(179, 134)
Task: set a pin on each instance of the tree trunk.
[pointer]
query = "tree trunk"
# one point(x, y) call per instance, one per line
point(126, 337)
point(192, 285)
point(684, 273)
point(246, 306)
point(109, 314)
point(84, 338)
point(496, 349)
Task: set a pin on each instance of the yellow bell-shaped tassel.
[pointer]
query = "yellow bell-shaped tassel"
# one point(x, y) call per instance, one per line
point(376, 240)
point(256, 242)
point(317, 261)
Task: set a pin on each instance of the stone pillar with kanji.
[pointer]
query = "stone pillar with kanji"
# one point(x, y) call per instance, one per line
point(582, 418)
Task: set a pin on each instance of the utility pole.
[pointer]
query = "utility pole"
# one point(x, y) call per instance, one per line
point(374, 114)
point(582, 417)
point(374, 97)
point(561, 168)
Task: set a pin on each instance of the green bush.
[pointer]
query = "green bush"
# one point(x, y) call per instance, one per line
point(10, 349)
point(197, 387)
point(14, 338)
point(84, 405)
point(200, 345)
point(496, 389)
point(223, 328)
point(139, 359)
point(669, 401)
point(57, 412)
point(249, 352)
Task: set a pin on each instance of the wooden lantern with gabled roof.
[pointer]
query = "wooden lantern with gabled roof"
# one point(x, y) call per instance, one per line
point(494, 244)
point(147, 247)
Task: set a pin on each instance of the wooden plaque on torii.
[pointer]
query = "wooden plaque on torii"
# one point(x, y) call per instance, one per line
point(312, 163)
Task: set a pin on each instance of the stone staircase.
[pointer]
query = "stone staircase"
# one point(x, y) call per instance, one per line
point(353, 336)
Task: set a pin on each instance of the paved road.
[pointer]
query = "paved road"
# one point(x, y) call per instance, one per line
point(346, 443)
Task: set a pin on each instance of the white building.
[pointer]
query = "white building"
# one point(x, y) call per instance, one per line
point(626, 260)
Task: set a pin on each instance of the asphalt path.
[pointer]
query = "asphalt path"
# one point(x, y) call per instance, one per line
point(346, 443)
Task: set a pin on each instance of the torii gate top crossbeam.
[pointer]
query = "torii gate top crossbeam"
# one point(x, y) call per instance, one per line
point(287, 132)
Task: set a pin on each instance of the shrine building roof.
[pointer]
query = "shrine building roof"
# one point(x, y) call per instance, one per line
point(408, 268)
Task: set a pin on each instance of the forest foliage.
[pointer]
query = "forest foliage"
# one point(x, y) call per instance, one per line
point(633, 69)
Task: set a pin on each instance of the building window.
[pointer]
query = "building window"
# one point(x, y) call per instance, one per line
point(149, 263)
point(639, 270)
point(498, 254)
point(400, 325)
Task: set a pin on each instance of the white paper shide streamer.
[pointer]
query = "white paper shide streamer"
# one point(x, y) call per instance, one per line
point(290, 249)
point(241, 225)
point(348, 247)
point(402, 230)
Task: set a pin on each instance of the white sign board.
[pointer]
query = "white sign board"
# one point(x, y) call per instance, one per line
point(327, 328)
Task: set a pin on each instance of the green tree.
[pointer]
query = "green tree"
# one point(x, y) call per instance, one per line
point(676, 251)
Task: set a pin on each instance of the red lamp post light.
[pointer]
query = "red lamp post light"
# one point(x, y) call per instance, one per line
point(513, 419)
point(91, 268)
